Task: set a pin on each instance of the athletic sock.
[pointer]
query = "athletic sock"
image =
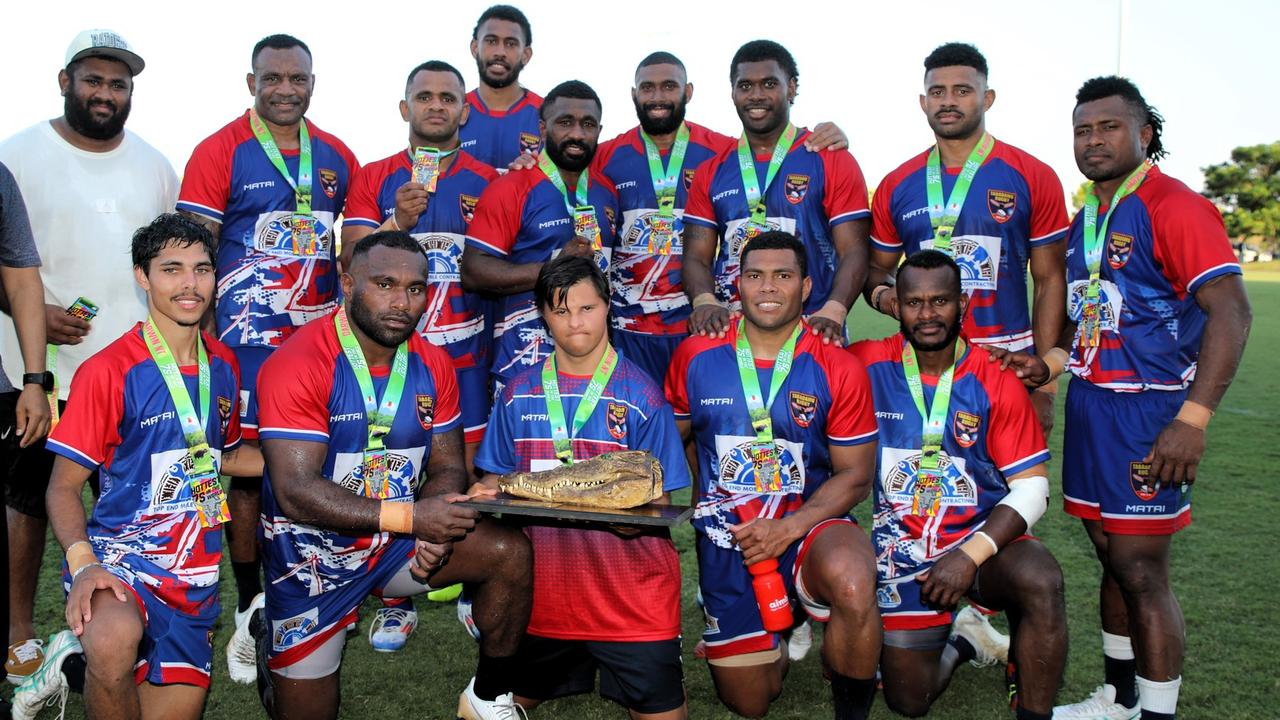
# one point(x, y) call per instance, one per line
point(1025, 714)
point(958, 650)
point(73, 670)
point(852, 696)
point(1120, 669)
point(248, 585)
point(493, 676)
point(1159, 700)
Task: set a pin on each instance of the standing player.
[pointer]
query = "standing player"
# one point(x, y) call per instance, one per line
point(772, 182)
point(780, 488)
point(504, 120)
point(1015, 216)
point(269, 185)
point(604, 598)
point(155, 415)
point(1158, 322)
point(527, 217)
point(961, 481)
point(356, 409)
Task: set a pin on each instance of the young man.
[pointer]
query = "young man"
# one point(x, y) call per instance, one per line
point(504, 120)
point(270, 186)
point(779, 474)
point(991, 206)
point(361, 432)
point(155, 415)
point(605, 598)
point(961, 481)
point(1158, 322)
point(772, 181)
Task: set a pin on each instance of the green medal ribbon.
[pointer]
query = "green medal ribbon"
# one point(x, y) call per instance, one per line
point(379, 412)
point(51, 364)
point(303, 224)
point(206, 489)
point(583, 214)
point(751, 183)
point(928, 491)
point(662, 226)
point(1094, 239)
point(764, 454)
point(944, 215)
point(560, 435)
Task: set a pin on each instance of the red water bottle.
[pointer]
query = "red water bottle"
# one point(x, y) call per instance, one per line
point(766, 581)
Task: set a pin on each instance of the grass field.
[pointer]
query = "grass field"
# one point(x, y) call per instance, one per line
point(1225, 569)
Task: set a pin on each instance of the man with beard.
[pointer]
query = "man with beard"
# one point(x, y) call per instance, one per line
point(88, 184)
point(529, 216)
point(270, 186)
point(504, 120)
point(961, 481)
point(362, 436)
point(780, 472)
point(1016, 216)
point(772, 181)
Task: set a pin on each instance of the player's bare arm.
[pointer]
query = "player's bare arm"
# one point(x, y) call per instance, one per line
point(446, 468)
point(66, 517)
point(244, 461)
point(482, 272)
point(709, 317)
point(1032, 369)
point(23, 295)
point(351, 236)
point(1048, 314)
point(877, 290)
point(850, 240)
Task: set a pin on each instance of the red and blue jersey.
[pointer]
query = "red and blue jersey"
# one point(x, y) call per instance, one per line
point(648, 295)
point(307, 391)
point(825, 401)
point(991, 433)
point(121, 421)
point(1015, 204)
point(589, 583)
point(812, 193)
point(453, 320)
point(265, 290)
point(522, 218)
point(496, 137)
point(1164, 242)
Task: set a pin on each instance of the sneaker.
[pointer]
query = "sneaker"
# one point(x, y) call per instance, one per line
point(1101, 705)
point(800, 643)
point(242, 655)
point(47, 686)
point(503, 707)
point(448, 594)
point(466, 618)
point(391, 628)
point(24, 658)
point(991, 644)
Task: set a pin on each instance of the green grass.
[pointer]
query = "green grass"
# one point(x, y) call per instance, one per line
point(1225, 567)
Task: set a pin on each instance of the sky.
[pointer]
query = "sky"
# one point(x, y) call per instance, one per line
point(1202, 65)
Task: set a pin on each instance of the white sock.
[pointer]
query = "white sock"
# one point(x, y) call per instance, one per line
point(1116, 646)
point(1161, 697)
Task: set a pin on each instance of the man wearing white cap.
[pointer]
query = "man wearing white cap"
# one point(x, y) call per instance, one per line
point(88, 184)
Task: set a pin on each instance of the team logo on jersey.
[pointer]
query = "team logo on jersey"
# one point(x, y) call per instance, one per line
point(530, 143)
point(467, 203)
point(224, 412)
point(1144, 486)
point(616, 416)
point(688, 179)
point(328, 182)
point(1119, 247)
point(1001, 204)
point(965, 426)
point(887, 597)
point(796, 187)
point(952, 487)
point(803, 407)
point(290, 631)
point(426, 407)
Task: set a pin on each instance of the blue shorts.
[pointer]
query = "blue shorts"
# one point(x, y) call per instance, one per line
point(734, 626)
point(1107, 435)
point(250, 360)
point(651, 352)
point(475, 399)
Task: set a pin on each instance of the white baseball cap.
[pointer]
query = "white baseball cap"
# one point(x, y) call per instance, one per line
point(104, 43)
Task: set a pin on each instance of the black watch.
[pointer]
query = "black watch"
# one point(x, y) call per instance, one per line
point(44, 380)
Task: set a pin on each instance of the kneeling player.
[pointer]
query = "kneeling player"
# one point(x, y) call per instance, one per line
point(156, 414)
point(961, 481)
point(796, 459)
point(354, 409)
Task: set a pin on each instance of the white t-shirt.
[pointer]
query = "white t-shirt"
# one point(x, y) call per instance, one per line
point(84, 208)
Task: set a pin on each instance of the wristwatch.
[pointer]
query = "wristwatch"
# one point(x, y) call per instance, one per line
point(44, 380)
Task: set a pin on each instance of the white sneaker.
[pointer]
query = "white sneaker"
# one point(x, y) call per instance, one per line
point(242, 651)
point(391, 628)
point(800, 643)
point(1101, 705)
point(467, 619)
point(503, 707)
point(47, 686)
point(991, 644)
point(24, 658)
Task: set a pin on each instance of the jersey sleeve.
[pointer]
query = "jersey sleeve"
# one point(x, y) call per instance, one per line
point(293, 399)
point(1048, 207)
point(698, 209)
point(1015, 441)
point(362, 202)
point(497, 452)
point(90, 425)
point(496, 223)
point(447, 415)
point(845, 198)
point(206, 183)
point(1191, 242)
point(884, 234)
point(676, 385)
point(852, 420)
point(658, 434)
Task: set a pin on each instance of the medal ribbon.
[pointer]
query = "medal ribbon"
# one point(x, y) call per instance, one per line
point(757, 405)
point(51, 364)
point(1094, 239)
point(934, 419)
point(302, 187)
point(583, 214)
point(944, 215)
point(751, 183)
point(664, 185)
point(379, 412)
point(560, 435)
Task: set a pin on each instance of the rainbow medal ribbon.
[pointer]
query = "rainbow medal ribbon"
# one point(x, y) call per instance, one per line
point(926, 499)
point(763, 450)
point(662, 225)
point(585, 224)
point(380, 413)
point(1094, 239)
point(561, 435)
point(302, 223)
point(944, 215)
point(758, 221)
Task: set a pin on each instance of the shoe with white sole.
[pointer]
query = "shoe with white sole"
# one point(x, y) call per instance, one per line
point(47, 686)
point(466, 617)
point(800, 643)
point(391, 628)
point(24, 658)
point(242, 655)
point(503, 707)
point(1101, 705)
point(991, 644)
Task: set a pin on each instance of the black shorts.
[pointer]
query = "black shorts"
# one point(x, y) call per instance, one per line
point(25, 470)
point(647, 677)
